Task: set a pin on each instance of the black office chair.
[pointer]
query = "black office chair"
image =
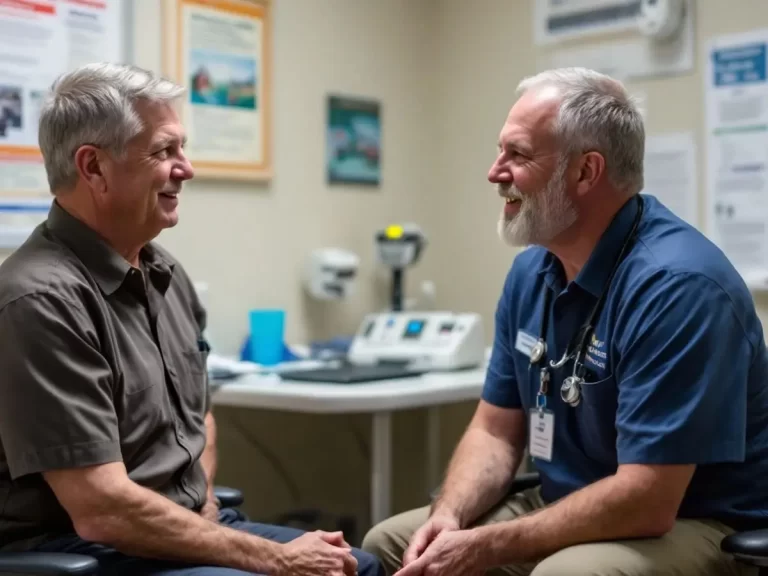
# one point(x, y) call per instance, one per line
point(62, 564)
point(747, 547)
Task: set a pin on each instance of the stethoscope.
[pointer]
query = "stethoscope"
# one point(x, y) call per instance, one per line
point(570, 390)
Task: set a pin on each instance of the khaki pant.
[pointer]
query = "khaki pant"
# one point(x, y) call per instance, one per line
point(691, 548)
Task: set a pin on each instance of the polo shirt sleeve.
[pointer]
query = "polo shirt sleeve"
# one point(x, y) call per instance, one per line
point(500, 388)
point(682, 375)
point(56, 388)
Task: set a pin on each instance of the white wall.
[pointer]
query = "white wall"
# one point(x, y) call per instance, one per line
point(479, 69)
point(257, 237)
point(445, 71)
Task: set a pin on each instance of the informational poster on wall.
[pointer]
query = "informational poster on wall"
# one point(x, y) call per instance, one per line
point(220, 50)
point(19, 216)
point(670, 173)
point(39, 40)
point(737, 151)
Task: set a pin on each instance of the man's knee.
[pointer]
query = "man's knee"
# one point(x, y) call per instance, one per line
point(378, 538)
point(690, 548)
point(389, 539)
point(395, 531)
point(594, 560)
point(368, 564)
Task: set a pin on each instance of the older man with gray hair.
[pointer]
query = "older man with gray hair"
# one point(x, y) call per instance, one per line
point(628, 360)
point(107, 439)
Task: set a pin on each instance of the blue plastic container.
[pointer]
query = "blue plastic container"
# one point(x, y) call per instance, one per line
point(267, 333)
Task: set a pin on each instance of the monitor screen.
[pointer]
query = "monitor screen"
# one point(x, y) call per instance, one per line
point(413, 329)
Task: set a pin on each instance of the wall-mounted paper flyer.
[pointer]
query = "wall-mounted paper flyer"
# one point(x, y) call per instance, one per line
point(670, 173)
point(737, 151)
point(19, 217)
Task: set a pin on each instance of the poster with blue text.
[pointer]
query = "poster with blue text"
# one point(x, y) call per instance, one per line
point(737, 151)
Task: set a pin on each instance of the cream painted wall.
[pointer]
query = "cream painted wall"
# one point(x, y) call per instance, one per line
point(445, 71)
point(483, 54)
point(256, 237)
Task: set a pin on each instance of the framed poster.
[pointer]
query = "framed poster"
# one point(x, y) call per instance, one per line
point(220, 50)
point(353, 141)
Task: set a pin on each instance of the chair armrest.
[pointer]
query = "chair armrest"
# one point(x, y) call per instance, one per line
point(749, 547)
point(228, 497)
point(519, 483)
point(47, 564)
point(524, 482)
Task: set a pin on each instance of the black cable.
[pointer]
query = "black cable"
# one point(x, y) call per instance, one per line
point(271, 457)
point(360, 440)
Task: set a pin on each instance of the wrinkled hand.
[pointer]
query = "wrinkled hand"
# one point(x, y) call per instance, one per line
point(451, 553)
point(425, 535)
point(318, 553)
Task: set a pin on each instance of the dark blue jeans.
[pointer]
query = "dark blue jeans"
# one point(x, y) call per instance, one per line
point(113, 563)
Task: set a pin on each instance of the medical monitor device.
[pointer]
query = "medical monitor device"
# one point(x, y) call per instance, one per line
point(436, 340)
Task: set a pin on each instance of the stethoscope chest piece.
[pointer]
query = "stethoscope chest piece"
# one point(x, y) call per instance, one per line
point(538, 351)
point(570, 391)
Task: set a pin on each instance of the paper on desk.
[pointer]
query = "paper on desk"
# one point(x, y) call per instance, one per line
point(223, 364)
point(223, 367)
point(670, 173)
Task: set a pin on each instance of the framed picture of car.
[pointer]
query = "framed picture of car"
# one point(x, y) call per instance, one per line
point(353, 141)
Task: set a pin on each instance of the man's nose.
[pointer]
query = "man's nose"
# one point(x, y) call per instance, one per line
point(499, 173)
point(183, 170)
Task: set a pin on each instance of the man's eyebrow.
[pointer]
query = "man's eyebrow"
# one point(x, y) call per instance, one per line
point(514, 146)
point(168, 140)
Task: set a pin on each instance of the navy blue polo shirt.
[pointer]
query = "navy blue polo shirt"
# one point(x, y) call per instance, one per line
point(677, 364)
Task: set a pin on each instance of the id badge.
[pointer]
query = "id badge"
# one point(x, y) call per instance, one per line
point(541, 434)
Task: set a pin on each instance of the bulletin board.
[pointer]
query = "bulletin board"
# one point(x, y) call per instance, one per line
point(221, 51)
point(39, 41)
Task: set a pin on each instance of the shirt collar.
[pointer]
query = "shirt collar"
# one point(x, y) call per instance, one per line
point(108, 268)
point(595, 272)
point(594, 275)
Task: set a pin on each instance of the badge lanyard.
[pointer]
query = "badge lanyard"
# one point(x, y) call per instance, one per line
point(570, 391)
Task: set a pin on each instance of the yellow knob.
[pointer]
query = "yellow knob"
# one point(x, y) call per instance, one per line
point(394, 231)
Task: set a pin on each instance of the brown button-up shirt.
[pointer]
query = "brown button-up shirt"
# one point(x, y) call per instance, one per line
point(99, 362)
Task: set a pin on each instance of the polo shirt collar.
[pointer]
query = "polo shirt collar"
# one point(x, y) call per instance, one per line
point(595, 272)
point(594, 275)
point(108, 268)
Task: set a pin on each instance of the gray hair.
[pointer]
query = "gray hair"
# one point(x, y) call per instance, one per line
point(95, 105)
point(597, 113)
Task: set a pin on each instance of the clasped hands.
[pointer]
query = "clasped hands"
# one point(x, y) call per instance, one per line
point(441, 547)
point(312, 554)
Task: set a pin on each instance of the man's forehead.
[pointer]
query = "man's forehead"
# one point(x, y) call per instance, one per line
point(161, 122)
point(533, 114)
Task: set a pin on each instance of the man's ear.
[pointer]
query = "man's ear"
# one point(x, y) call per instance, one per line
point(89, 161)
point(591, 168)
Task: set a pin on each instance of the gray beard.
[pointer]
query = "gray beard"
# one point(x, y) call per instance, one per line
point(542, 216)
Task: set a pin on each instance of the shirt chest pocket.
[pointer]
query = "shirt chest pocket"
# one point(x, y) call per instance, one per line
point(191, 368)
point(596, 415)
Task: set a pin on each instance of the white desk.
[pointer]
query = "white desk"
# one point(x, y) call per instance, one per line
point(379, 398)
